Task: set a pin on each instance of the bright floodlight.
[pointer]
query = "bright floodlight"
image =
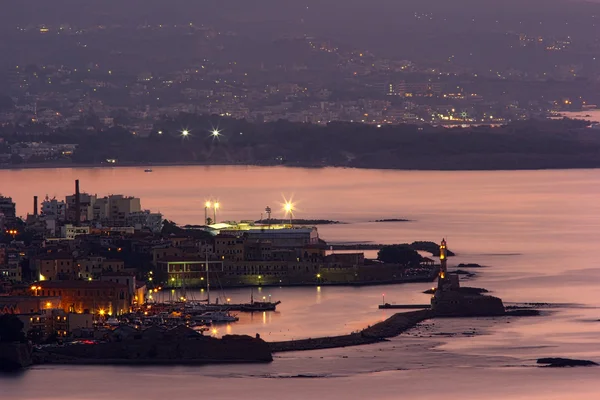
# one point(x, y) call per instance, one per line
point(217, 205)
point(208, 204)
point(215, 133)
point(185, 132)
point(288, 207)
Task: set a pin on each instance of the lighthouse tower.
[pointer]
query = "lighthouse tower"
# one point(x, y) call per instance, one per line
point(445, 281)
point(443, 256)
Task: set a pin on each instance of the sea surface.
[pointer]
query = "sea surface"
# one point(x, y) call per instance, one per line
point(537, 233)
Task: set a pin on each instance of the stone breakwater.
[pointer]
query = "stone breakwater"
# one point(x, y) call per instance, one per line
point(391, 327)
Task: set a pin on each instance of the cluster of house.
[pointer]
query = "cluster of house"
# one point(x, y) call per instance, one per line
point(103, 264)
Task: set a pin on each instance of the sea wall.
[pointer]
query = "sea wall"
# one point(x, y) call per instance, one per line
point(391, 327)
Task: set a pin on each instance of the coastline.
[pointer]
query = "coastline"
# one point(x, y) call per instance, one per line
point(592, 165)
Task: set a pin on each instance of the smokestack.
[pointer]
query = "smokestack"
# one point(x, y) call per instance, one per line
point(77, 203)
point(35, 206)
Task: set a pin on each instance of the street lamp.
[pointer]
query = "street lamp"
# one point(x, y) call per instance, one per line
point(215, 133)
point(259, 280)
point(185, 133)
point(216, 207)
point(288, 207)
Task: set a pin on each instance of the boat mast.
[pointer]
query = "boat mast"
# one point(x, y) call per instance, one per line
point(207, 279)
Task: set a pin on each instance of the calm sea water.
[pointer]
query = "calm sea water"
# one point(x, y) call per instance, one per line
point(536, 230)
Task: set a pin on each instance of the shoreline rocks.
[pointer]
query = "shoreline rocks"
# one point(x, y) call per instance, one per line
point(559, 362)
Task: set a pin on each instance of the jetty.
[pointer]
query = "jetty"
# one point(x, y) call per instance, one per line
point(388, 306)
point(393, 326)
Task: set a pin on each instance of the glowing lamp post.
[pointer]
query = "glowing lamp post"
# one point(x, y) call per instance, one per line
point(207, 205)
point(288, 207)
point(215, 208)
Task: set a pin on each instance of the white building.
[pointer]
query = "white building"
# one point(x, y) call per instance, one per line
point(145, 219)
point(70, 231)
point(54, 209)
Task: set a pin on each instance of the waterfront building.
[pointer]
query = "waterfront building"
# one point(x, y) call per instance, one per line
point(54, 322)
point(229, 247)
point(90, 297)
point(28, 302)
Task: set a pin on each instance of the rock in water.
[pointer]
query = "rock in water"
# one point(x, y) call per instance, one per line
point(558, 362)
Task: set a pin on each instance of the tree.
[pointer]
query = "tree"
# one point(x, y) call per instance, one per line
point(399, 254)
point(11, 329)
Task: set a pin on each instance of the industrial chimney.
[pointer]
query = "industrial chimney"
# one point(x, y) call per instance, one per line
point(77, 203)
point(35, 206)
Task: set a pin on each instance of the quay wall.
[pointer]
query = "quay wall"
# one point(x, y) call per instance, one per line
point(342, 277)
point(391, 327)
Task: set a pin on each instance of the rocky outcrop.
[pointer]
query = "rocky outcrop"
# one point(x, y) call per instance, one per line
point(14, 356)
point(558, 362)
point(457, 304)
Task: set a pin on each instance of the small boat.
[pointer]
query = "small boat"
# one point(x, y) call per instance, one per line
point(215, 317)
point(148, 170)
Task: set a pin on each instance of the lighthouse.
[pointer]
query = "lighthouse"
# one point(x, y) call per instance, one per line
point(443, 256)
point(445, 281)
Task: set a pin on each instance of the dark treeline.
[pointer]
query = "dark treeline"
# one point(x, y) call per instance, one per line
point(518, 145)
